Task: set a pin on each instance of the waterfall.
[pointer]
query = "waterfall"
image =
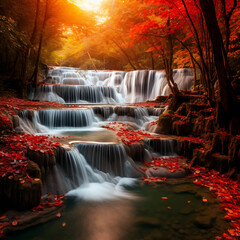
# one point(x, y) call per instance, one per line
point(74, 175)
point(109, 158)
point(29, 123)
point(77, 94)
point(165, 147)
point(43, 121)
point(93, 164)
point(53, 118)
point(69, 85)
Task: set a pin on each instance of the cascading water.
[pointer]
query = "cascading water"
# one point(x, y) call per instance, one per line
point(76, 86)
point(90, 161)
point(55, 118)
point(95, 170)
point(109, 158)
point(165, 147)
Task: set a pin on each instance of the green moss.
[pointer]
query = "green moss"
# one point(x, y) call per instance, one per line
point(165, 116)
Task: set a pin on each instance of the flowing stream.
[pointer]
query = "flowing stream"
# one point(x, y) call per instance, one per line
point(100, 175)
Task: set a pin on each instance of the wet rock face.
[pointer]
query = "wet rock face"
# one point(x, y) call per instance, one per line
point(220, 143)
point(45, 160)
point(104, 112)
point(186, 147)
point(165, 124)
point(17, 195)
point(136, 152)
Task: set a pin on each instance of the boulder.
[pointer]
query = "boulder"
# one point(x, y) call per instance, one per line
point(164, 172)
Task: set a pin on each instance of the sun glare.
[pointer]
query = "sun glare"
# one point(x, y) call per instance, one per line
point(88, 5)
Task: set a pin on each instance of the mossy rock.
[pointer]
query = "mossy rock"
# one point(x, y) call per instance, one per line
point(45, 160)
point(33, 170)
point(165, 123)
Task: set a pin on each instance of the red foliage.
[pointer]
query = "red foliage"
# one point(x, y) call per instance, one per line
point(13, 160)
point(171, 163)
point(4, 121)
point(153, 179)
point(228, 191)
point(195, 139)
point(12, 105)
point(127, 136)
point(56, 201)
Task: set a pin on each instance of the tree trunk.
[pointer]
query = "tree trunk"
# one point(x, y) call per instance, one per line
point(227, 96)
point(27, 54)
point(35, 73)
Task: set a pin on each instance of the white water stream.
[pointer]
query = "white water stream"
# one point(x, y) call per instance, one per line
point(94, 170)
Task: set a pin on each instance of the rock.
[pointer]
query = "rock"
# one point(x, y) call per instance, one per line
point(186, 147)
point(104, 112)
point(165, 123)
point(163, 146)
point(204, 221)
point(15, 120)
point(16, 195)
point(45, 160)
point(221, 142)
point(181, 128)
point(164, 172)
point(203, 157)
point(33, 170)
point(136, 151)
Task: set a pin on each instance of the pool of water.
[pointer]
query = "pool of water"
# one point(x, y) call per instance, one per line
point(167, 211)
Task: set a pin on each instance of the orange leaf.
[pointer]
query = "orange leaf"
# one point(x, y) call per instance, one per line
point(14, 222)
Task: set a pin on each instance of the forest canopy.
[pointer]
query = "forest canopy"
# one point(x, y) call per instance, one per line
point(115, 34)
point(125, 35)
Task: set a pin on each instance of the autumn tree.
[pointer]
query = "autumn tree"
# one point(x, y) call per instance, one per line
point(36, 21)
point(228, 104)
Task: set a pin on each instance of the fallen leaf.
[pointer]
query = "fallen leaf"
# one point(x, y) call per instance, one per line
point(14, 222)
